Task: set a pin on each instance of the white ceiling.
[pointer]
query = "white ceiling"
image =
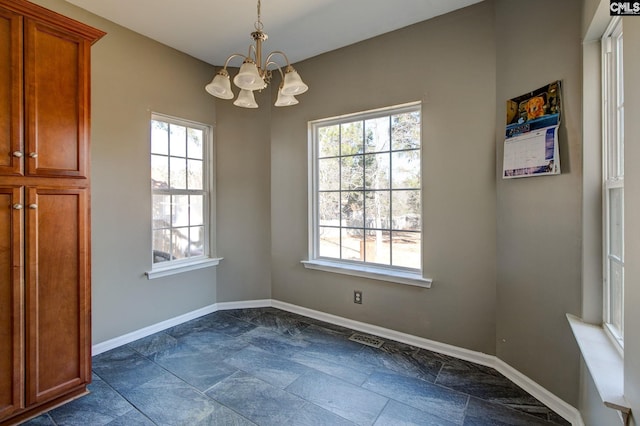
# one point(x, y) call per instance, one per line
point(211, 30)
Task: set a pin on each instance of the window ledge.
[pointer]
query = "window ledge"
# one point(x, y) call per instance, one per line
point(604, 362)
point(165, 271)
point(383, 274)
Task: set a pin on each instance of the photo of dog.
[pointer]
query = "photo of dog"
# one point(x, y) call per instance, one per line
point(535, 107)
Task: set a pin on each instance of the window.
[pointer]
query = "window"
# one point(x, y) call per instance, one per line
point(365, 190)
point(180, 181)
point(613, 179)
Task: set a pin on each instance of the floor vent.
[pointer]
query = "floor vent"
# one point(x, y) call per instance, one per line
point(367, 340)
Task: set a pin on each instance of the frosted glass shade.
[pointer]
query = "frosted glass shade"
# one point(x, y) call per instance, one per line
point(248, 78)
point(220, 86)
point(246, 99)
point(293, 84)
point(285, 100)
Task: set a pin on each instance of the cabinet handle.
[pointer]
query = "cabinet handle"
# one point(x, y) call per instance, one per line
point(17, 206)
point(33, 155)
point(17, 154)
point(33, 206)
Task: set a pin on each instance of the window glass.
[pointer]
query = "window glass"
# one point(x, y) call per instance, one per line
point(367, 188)
point(180, 190)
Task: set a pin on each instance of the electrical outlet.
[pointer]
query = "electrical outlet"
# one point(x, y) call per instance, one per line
point(357, 297)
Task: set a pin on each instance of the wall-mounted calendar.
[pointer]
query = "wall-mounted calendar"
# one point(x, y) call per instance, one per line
point(531, 136)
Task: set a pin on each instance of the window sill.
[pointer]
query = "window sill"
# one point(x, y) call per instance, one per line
point(372, 272)
point(604, 362)
point(165, 271)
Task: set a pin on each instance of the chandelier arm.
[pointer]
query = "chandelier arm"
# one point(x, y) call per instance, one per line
point(277, 66)
point(234, 55)
point(276, 52)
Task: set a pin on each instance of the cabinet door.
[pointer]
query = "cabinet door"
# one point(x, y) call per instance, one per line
point(11, 294)
point(57, 82)
point(10, 93)
point(57, 305)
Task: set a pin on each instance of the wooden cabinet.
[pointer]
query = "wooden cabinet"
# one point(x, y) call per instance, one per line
point(11, 302)
point(45, 303)
point(11, 92)
point(57, 302)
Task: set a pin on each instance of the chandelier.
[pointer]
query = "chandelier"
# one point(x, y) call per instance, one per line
point(256, 75)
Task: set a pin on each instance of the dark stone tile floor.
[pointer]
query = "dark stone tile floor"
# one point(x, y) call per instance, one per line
point(266, 366)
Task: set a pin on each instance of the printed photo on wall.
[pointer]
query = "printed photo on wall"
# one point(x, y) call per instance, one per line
point(531, 136)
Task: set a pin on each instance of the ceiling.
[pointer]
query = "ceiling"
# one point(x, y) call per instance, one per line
point(211, 30)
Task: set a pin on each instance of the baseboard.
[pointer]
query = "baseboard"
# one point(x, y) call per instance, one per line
point(568, 412)
point(225, 306)
point(443, 348)
point(147, 331)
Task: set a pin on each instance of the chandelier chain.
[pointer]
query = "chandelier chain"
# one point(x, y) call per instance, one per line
point(258, 25)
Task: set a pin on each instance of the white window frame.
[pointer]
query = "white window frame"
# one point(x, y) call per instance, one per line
point(170, 267)
point(602, 352)
point(397, 274)
point(613, 174)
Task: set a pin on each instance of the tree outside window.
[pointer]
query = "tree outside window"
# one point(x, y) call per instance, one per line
point(367, 191)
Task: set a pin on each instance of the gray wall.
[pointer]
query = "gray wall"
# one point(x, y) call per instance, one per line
point(449, 64)
point(539, 218)
point(131, 77)
point(244, 229)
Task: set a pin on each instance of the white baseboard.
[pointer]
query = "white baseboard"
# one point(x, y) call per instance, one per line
point(568, 412)
point(225, 306)
point(443, 348)
point(172, 322)
point(147, 331)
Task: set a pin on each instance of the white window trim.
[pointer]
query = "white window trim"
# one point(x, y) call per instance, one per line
point(609, 130)
point(178, 268)
point(369, 271)
point(393, 274)
point(164, 269)
point(604, 362)
point(601, 350)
